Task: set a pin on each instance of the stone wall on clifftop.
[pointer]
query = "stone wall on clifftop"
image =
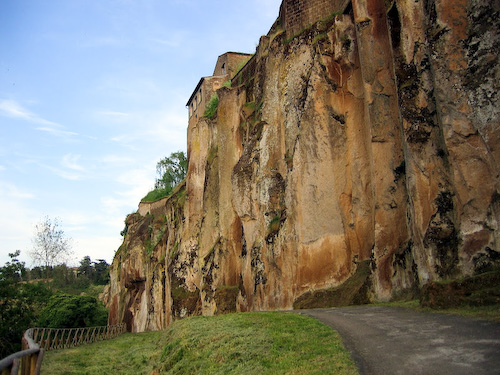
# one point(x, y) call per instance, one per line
point(354, 162)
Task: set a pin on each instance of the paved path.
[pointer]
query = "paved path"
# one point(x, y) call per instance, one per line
point(391, 340)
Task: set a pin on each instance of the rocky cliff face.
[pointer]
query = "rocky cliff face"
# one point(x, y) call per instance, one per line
point(349, 163)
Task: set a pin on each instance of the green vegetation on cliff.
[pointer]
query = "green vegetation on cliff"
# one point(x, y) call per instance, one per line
point(171, 171)
point(250, 343)
point(212, 105)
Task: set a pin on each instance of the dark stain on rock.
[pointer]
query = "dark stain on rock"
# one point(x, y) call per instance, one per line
point(257, 267)
point(184, 302)
point(225, 298)
point(443, 236)
point(478, 290)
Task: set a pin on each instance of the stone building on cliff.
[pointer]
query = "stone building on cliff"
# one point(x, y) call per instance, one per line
point(226, 66)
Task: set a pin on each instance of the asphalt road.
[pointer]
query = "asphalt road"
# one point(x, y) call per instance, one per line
point(391, 340)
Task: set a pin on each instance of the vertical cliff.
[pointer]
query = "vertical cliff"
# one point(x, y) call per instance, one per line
point(349, 161)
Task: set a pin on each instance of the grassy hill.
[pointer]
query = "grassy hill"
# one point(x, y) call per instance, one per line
point(249, 343)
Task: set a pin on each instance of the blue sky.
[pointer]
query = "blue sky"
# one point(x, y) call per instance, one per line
point(92, 95)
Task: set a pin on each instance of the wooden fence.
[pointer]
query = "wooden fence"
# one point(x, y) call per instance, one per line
point(37, 340)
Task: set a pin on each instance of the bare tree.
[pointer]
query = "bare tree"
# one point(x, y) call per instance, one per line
point(50, 246)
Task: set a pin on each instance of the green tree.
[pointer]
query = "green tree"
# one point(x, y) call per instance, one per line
point(70, 311)
point(171, 170)
point(50, 246)
point(65, 279)
point(86, 268)
point(96, 272)
point(36, 273)
point(101, 273)
point(20, 303)
point(13, 271)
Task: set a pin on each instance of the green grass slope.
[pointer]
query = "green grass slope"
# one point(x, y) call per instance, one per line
point(249, 343)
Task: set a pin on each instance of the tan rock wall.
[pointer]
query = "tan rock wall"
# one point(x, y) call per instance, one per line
point(359, 157)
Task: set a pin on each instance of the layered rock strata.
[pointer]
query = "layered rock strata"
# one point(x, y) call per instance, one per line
point(353, 162)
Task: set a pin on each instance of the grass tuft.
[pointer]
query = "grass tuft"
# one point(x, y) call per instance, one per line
point(211, 108)
point(156, 194)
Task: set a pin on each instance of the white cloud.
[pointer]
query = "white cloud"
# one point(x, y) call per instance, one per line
point(137, 183)
point(67, 175)
point(70, 168)
point(70, 161)
point(124, 138)
point(11, 108)
point(167, 127)
point(96, 247)
point(174, 39)
point(57, 131)
point(11, 191)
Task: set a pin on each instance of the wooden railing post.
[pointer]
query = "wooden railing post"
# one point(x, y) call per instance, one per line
point(33, 359)
point(25, 363)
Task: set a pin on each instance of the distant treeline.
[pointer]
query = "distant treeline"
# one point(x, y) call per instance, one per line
point(63, 277)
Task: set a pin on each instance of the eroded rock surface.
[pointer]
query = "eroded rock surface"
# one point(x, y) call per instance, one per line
point(369, 140)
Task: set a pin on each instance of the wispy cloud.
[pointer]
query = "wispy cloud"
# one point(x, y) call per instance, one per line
point(166, 127)
point(70, 161)
point(70, 168)
point(57, 131)
point(175, 39)
point(67, 175)
point(11, 191)
point(11, 108)
point(136, 183)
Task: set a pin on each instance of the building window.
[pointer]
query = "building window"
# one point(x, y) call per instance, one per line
point(199, 96)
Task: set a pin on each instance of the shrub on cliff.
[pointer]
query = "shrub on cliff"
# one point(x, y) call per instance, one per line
point(171, 171)
point(211, 108)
